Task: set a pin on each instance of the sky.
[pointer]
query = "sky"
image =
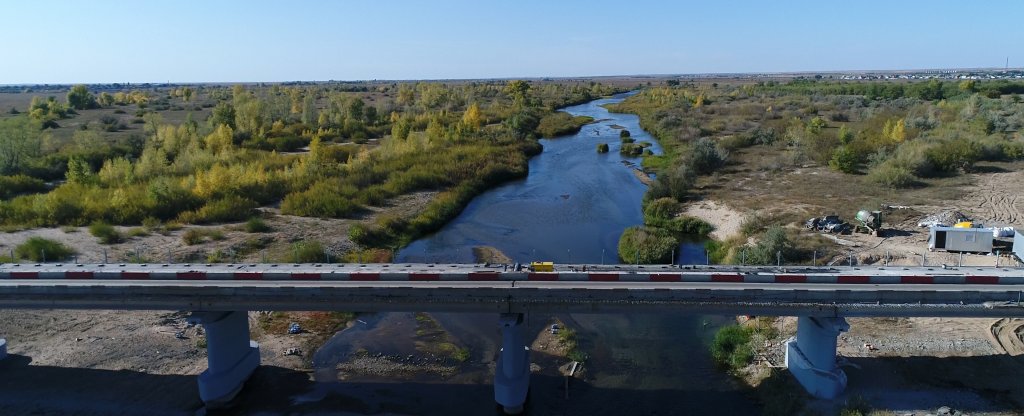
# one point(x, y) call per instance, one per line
point(101, 41)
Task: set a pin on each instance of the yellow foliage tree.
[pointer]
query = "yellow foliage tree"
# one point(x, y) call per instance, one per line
point(220, 140)
point(471, 118)
point(895, 130)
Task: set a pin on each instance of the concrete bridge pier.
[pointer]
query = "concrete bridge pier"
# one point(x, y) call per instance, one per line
point(231, 355)
point(512, 374)
point(811, 356)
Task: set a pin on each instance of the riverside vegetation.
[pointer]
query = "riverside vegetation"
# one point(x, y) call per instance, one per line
point(879, 135)
point(213, 154)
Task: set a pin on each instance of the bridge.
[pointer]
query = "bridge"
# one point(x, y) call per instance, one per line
point(219, 296)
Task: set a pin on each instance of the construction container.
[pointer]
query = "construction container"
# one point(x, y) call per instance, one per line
point(974, 240)
point(542, 266)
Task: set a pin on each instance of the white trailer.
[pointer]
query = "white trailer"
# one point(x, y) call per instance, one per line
point(1018, 246)
point(972, 240)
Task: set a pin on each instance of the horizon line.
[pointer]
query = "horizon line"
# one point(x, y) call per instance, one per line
point(709, 75)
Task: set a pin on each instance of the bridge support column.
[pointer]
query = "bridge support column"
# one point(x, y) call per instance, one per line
point(231, 355)
point(512, 374)
point(811, 356)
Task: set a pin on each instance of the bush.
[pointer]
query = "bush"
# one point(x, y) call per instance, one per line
point(660, 209)
point(11, 186)
point(256, 225)
point(106, 233)
point(892, 176)
point(561, 124)
point(731, 347)
point(774, 242)
point(705, 157)
point(675, 183)
point(843, 160)
point(309, 252)
point(631, 149)
point(192, 237)
point(602, 148)
point(230, 208)
point(40, 249)
point(690, 225)
point(624, 133)
point(198, 235)
point(652, 245)
point(626, 139)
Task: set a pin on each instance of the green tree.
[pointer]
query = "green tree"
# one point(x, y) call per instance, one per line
point(471, 118)
point(518, 90)
point(843, 160)
point(106, 99)
point(79, 171)
point(815, 125)
point(80, 98)
point(223, 113)
point(845, 135)
point(20, 142)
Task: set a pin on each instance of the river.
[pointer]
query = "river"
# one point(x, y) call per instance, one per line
point(572, 207)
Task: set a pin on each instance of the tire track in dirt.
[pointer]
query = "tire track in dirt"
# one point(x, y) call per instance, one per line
point(994, 200)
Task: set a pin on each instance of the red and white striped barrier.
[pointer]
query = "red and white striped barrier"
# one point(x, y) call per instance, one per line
point(916, 276)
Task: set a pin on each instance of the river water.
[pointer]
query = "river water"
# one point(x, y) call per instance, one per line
point(572, 207)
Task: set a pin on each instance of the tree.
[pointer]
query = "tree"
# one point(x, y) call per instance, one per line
point(517, 89)
point(843, 160)
point(19, 142)
point(705, 156)
point(220, 140)
point(80, 98)
point(79, 171)
point(895, 130)
point(845, 135)
point(967, 85)
point(106, 99)
point(223, 113)
point(815, 125)
point(471, 118)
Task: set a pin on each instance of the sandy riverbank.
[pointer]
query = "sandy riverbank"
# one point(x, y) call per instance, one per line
point(727, 221)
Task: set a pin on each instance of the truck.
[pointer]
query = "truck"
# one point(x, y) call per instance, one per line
point(967, 240)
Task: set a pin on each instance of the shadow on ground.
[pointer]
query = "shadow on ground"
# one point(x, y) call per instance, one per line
point(969, 384)
point(980, 384)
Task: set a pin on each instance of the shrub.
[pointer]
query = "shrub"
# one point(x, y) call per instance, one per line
point(256, 225)
point(40, 249)
point(631, 149)
point(560, 124)
point(602, 148)
point(11, 186)
point(230, 208)
point(624, 133)
point(660, 209)
point(138, 232)
point(309, 252)
point(731, 347)
point(690, 225)
point(843, 160)
point(198, 235)
point(192, 237)
point(652, 245)
point(891, 176)
point(773, 243)
point(705, 157)
point(626, 139)
point(106, 233)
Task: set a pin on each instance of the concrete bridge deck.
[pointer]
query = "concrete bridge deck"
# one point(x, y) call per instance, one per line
point(220, 294)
